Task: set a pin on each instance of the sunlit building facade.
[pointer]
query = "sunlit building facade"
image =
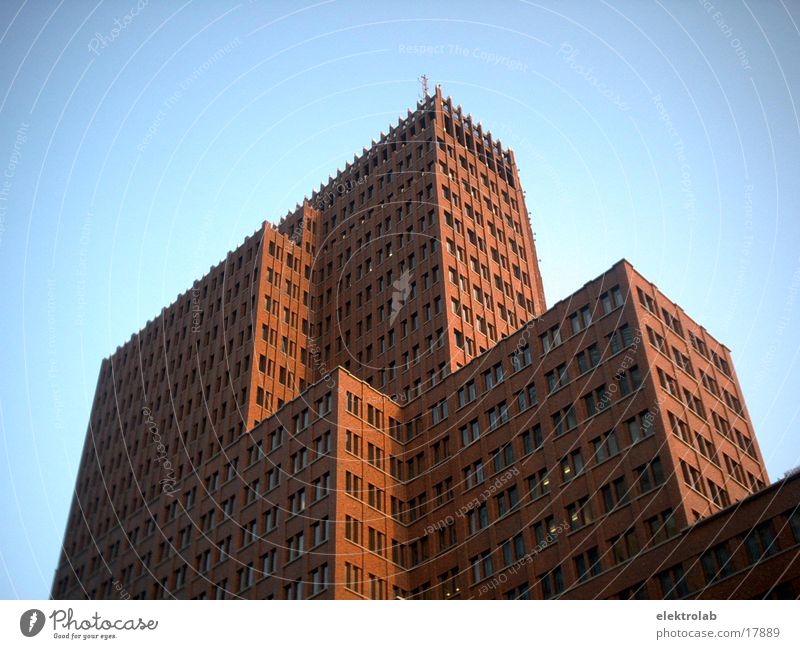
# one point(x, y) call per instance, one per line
point(372, 400)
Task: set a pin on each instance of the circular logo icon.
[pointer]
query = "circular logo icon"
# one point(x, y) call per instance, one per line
point(31, 622)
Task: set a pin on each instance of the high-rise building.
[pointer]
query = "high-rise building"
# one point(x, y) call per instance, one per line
point(372, 400)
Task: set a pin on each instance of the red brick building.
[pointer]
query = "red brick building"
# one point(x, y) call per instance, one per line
point(371, 400)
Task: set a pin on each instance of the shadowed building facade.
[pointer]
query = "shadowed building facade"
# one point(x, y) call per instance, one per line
point(372, 400)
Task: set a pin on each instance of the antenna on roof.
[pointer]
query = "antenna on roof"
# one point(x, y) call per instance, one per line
point(423, 82)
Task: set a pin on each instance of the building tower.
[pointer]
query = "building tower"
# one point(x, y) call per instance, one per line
point(372, 400)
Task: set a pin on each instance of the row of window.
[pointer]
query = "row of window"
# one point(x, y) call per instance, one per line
point(695, 404)
point(673, 322)
point(721, 561)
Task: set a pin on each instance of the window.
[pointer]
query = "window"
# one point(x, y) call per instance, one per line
point(376, 541)
point(466, 394)
point(493, 376)
point(497, 415)
point(596, 401)
point(375, 455)
point(614, 494)
point(620, 339)
point(557, 378)
point(352, 529)
point(571, 465)
point(246, 576)
point(376, 497)
point(225, 548)
point(532, 439)
point(441, 450)
point(668, 383)
point(539, 484)
point(661, 527)
point(274, 477)
point(629, 380)
point(734, 468)
point(353, 443)
point(446, 536)
point(794, 522)
point(550, 339)
point(640, 426)
point(579, 513)
point(353, 484)
point(523, 591)
point(545, 532)
point(721, 425)
point(581, 319)
point(761, 542)
point(682, 361)
point(321, 486)
point(552, 583)
point(295, 546)
point(275, 439)
point(657, 340)
point(374, 417)
point(470, 433)
point(439, 412)
point(322, 444)
point(503, 457)
point(605, 446)
point(478, 518)
point(299, 460)
point(646, 301)
point(588, 358)
point(513, 550)
point(297, 501)
point(698, 345)
point(443, 491)
point(324, 405)
point(718, 494)
point(716, 563)
point(377, 587)
point(473, 474)
point(269, 562)
point(588, 564)
point(564, 420)
point(507, 501)
point(637, 591)
point(672, 322)
point(521, 358)
point(319, 532)
point(301, 421)
point(204, 562)
point(691, 476)
point(706, 448)
point(721, 364)
point(352, 577)
point(611, 299)
point(733, 403)
point(624, 546)
point(318, 578)
point(527, 398)
point(650, 475)
point(353, 404)
point(673, 584)
point(694, 403)
point(482, 566)
point(679, 428)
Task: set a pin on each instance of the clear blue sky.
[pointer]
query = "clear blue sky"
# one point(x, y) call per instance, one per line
point(133, 155)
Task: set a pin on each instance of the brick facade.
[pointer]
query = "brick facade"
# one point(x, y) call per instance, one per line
point(372, 400)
